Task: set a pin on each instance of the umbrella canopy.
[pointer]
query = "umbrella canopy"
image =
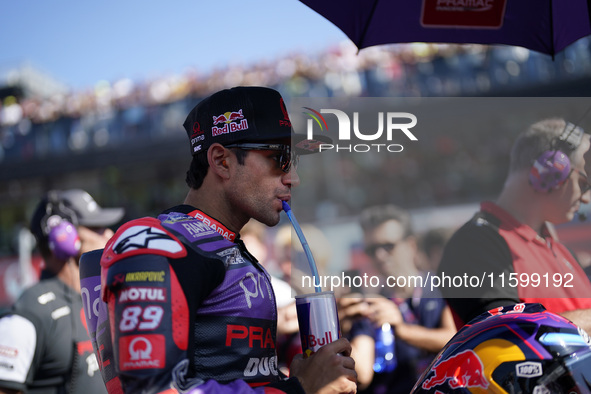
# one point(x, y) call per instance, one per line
point(546, 26)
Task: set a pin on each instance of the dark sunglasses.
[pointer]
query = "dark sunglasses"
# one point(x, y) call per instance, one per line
point(371, 250)
point(286, 158)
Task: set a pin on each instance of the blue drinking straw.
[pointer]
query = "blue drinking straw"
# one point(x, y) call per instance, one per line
point(307, 250)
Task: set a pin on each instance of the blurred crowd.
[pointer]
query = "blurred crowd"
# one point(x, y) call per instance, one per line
point(448, 169)
point(91, 116)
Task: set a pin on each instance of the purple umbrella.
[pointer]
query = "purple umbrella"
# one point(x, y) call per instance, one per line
point(546, 26)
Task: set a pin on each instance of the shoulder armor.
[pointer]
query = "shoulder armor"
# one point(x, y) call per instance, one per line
point(142, 236)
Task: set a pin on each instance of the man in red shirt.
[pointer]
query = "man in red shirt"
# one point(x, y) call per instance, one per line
point(508, 252)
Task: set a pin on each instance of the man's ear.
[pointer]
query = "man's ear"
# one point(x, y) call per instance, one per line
point(218, 158)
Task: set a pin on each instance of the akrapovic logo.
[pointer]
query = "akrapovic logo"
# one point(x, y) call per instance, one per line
point(390, 126)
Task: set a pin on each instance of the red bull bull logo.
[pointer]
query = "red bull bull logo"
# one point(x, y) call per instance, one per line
point(311, 341)
point(231, 122)
point(463, 370)
point(318, 320)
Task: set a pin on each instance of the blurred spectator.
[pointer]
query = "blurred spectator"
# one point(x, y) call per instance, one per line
point(44, 343)
point(254, 236)
point(292, 260)
point(431, 245)
point(288, 334)
point(417, 317)
point(10, 112)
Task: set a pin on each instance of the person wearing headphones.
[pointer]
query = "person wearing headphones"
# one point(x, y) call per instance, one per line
point(509, 252)
point(44, 344)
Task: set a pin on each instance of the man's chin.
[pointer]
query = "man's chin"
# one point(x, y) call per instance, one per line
point(567, 218)
point(271, 221)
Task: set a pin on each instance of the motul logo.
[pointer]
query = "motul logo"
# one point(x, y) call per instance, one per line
point(142, 294)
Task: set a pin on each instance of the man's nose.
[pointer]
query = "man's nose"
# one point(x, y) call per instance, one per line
point(292, 178)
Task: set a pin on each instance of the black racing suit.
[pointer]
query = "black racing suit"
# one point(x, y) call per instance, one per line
point(185, 308)
point(44, 345)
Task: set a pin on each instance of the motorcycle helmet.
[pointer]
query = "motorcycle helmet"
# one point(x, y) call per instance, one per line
point(514, 349)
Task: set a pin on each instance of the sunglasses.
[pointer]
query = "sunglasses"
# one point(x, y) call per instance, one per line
point(584, 183)
point(371, 250)
point(286, 158)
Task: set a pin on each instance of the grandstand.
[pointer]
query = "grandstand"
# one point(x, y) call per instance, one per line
point(123, 141)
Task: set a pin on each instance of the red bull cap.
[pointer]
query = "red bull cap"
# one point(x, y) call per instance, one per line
point(244, 114)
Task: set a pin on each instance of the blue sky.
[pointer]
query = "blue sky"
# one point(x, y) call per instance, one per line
point(81, 42)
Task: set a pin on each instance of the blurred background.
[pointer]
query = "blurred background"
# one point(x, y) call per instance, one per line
point(94, 97)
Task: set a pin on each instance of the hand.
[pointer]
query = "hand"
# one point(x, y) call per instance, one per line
point(329, 370)
point(381, 310)
point(350, 308)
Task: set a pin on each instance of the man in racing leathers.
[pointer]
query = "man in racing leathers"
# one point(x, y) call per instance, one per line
point(187, 306)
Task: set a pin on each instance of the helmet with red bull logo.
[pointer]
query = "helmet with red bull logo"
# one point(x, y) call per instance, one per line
point(519, 348)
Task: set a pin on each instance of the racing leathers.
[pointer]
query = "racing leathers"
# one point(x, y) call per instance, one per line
point(44, 346)
point(183, 305)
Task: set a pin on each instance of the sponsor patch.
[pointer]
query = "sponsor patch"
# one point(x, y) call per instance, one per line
point(529, 369)
point(196, 130)
point(145, 276)
point(155, 294)
point(142, 236)
point(285, 122)
point(261, 366)
point(231, 256)
point(60, 312)
point(45, 298)
point(464, 369)
point(255, 337)
point(214, 224)
point(229, 122)
point(188, 226)
point(8, 351)
point(142, 352)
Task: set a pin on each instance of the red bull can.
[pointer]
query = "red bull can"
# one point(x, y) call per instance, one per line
point(318, 320)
